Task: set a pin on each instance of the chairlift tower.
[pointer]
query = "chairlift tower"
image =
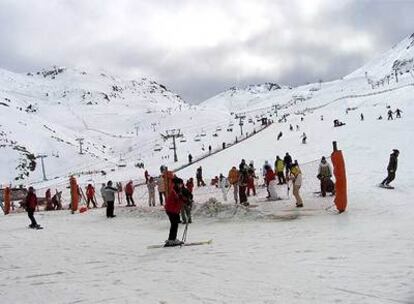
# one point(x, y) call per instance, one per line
point(42, 156)
point(173, 133)
point(240, 117)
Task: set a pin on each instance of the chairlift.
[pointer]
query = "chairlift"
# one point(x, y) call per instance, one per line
point(215, 134)
point(218, 129)
point(157, 148)
point(171, 147)
point(229, 129)
point(197, 138)
point(203, 133)
point(183, 139)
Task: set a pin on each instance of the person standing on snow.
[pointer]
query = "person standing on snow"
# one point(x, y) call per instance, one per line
point(129, 192)
point(279, 136)
point(398, 113)
point(161, 189)
point(390, 115)
point(391, 168)
point(304, 137)
point(288, 164)
point(31, 204)
point(146, 175)
point(199, 176)
point(251, 173)
point(187, 198)
point(190, 158)
point(324, 175)
point(190, 184)
point(233, 178)
point(173, 205)
point(297, 183)
point(90, 196)
point(110, 199)
point(103, 195)
point(222, 183)
point(243, 180)
point(151, 191)
point(270, 179)
point(279, 168)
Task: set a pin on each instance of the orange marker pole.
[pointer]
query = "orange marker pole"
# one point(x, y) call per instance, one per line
point(74, 194)
point(341, 196)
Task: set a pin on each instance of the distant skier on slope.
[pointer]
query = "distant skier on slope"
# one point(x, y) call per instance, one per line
point(304, 137)
point(390, 115)
point(398, 113)
point(391, 168)
point(279, 136)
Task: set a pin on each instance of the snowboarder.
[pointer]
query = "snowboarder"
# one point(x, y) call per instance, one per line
point(173, 205)
point(31, 204)
point(103, 195)
point(304, 137)
point(187, 198)
point(110, 199)
point(288, 164)
point(243, 179)
point(324, 175)
point(279, 168)
point(129, 192)
point(270, 179)
point(90, 194)
point(233, 179)
point(190, 158)
point(390, 115)
point(223, 185)
point(279, 135)
point(151, 191)
point(251, 172)
point(391, 168)
point(297, 183)
point(199, 177)
point(398, 113)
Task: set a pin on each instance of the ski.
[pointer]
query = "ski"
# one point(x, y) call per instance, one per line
point(183, 245)
point(38, 227)
point(385, 187)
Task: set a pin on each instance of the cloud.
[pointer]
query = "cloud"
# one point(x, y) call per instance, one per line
point(199, 48)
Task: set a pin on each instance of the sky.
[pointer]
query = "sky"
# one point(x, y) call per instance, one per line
point(201, 48)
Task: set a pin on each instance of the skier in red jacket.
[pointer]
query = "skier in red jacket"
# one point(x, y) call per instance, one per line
point(173, 205)
point(90, 195)
point(31, 204)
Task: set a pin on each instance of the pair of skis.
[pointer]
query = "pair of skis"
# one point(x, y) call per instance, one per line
point(182, 245)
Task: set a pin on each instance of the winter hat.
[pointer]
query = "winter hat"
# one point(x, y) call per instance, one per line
point(396, 151)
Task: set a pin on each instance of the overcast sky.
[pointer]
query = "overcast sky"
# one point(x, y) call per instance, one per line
point(199, 48)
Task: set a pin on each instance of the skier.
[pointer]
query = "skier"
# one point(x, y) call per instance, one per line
point(288, 164)
point(31, 204)
point(223, 185)
point(129, 192)
point(161, 189)
point(103, 195)
point(251, 172)
point(324, 175)
point(187, 198)
point(290, 127)
point(151, 191)
point(279, 168)
point(270, 179)
point(398, 112)
point(110, 199)
point(297, 183)
point(190, 184)
point(304, 137)
point(233, 179)
point(90, 194)
point(190, 158)
point(390, 115)
point(279, 135)
point(362, 116)
point(173, 206)
point(199, 177)
point(243, 179)
point(391, 168)
point(321, 117)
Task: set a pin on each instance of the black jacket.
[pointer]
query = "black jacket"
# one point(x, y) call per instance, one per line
point(392, 164)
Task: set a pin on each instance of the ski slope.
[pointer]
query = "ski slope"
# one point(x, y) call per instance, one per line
point(272, 253)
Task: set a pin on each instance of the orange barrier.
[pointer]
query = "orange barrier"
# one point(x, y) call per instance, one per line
point(74, 195)
point(7, 200)
point(341, 197)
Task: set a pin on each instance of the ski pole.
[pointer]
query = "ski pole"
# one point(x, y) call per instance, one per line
point(184, 238)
